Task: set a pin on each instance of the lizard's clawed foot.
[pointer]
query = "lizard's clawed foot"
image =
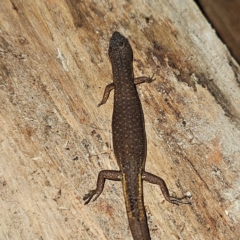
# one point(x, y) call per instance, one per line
point(101, 103)
point(177, 201)
point(87, 198)
point(150, 79)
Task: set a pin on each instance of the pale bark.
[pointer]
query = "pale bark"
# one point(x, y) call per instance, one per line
point(54, 139)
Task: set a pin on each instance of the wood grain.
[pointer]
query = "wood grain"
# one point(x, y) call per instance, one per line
point(54, 139)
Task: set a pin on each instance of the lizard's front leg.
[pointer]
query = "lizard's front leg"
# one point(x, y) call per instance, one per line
point(107, 91)
point(140, 80)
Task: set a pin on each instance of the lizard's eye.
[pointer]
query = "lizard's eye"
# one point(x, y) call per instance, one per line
point(121, 44)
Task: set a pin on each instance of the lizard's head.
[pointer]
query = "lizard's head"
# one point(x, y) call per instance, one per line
point(118, 43)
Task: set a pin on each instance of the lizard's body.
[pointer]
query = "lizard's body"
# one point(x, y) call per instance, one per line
point(129, 139)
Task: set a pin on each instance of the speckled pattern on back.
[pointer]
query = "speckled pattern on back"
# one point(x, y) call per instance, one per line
point(129, 139)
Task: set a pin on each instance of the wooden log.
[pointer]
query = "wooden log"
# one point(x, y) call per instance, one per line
point(54, 139)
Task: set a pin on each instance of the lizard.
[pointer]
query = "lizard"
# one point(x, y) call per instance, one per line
point(129, 139)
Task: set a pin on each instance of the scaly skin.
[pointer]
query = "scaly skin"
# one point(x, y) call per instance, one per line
point(129, 139)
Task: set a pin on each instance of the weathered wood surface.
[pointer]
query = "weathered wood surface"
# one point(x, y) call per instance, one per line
point(54, 140)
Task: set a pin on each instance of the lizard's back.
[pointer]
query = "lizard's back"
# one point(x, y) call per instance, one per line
point(129, 139)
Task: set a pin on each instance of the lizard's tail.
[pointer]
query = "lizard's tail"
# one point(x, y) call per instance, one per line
point(139, 229)
point(133, 194)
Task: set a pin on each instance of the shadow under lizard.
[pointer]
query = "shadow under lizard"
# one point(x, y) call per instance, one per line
point(129, 139)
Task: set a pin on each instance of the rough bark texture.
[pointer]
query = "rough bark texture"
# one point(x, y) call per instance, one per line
point(54, 140)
